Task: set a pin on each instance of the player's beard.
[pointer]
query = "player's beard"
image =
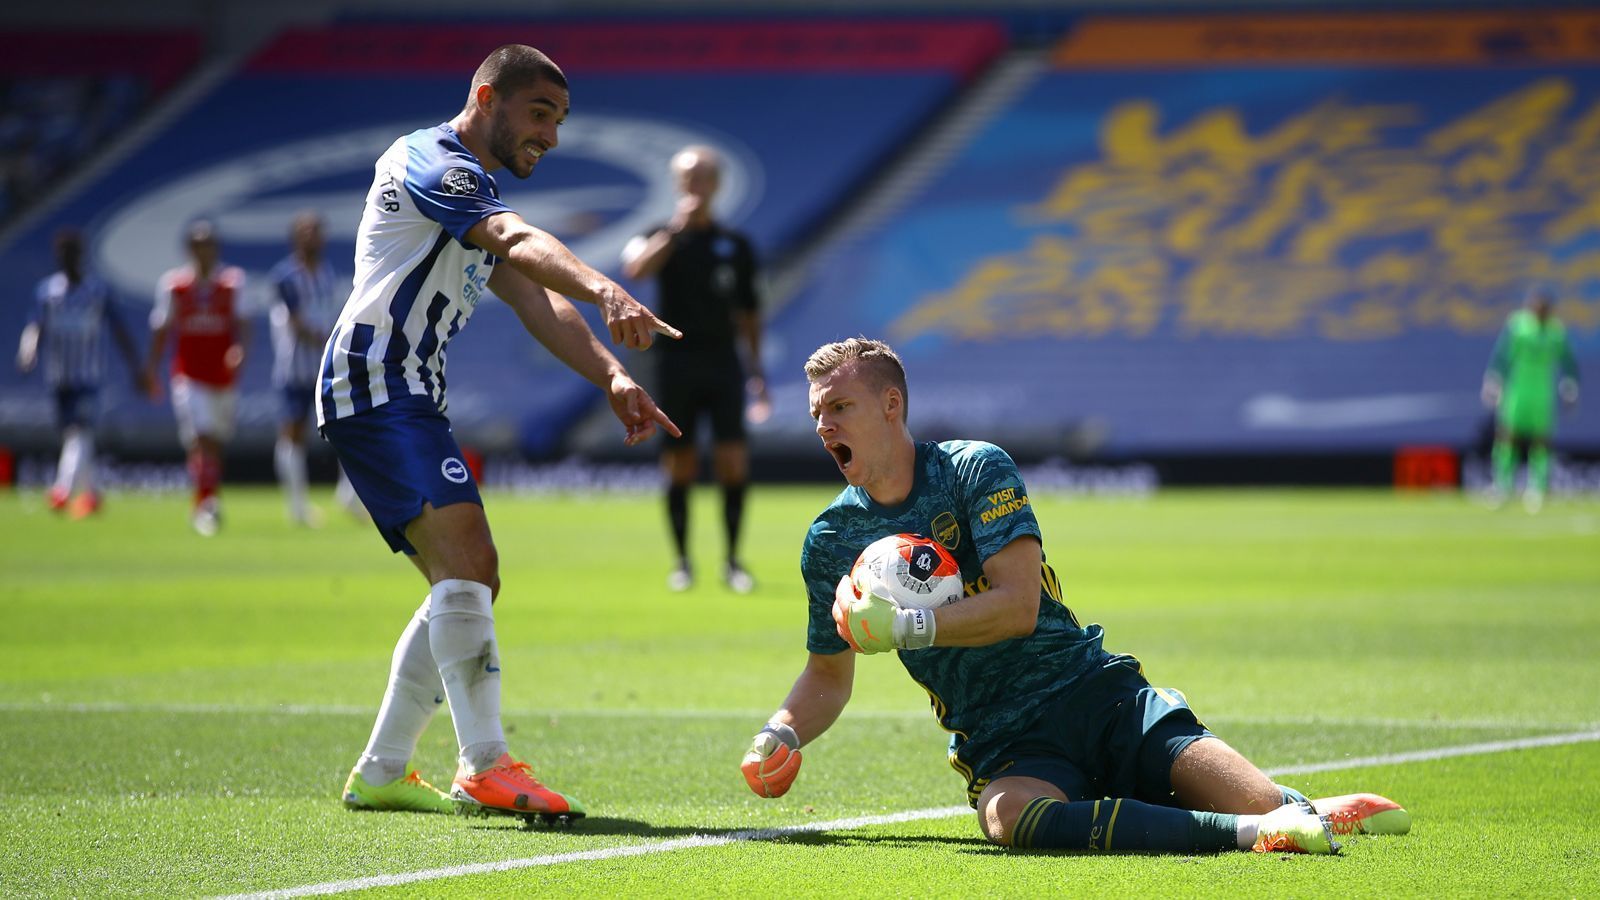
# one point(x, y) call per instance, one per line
point(504, 148)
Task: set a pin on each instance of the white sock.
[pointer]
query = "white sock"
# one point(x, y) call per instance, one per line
point(72, 453)
point(83, 472)
point(1249, 827)
point(291, 464)
point(413, 695)
point(461, 633)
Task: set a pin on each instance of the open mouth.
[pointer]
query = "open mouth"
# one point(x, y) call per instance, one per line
point(842, 454)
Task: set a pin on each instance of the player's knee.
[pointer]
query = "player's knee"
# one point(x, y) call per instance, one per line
point(681, 464)
point(484, 564)
point(477, 562)
point(998, 809)
point(1209, 775)
point(732, 465)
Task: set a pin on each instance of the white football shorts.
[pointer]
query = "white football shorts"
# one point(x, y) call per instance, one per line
point(203, 409)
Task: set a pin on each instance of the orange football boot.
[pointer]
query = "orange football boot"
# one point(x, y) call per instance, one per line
point(86, 505)
point(509, 788)
point(1363, 814)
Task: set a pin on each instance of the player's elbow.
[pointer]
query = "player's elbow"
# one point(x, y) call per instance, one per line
point(525, 246)
point(517, 243)
point(1022, 617)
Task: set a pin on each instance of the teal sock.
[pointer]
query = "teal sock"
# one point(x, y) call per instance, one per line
point(1122, 825)
point(1290, 795)
point(1539, 469)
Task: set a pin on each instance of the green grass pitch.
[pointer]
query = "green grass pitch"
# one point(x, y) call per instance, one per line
point(178, 714)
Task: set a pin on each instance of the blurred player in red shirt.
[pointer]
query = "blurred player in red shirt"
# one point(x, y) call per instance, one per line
point(199, 305)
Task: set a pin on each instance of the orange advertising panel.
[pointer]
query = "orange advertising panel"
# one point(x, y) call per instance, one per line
point(1471, 38)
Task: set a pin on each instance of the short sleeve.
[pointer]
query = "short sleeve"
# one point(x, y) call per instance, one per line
point(287, 292)
point(161, 311)
point(822, 565)
point(996, 500)
point(247, 303)
point(41, 300)
point(452, 190)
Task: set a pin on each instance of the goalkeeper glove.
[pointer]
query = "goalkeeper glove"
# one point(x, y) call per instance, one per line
point(1568, 389)
point(772, 761)
point(873, 624)
point(1491, 391)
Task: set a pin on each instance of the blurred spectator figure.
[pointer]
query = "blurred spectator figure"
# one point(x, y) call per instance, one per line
point(706, 273)
point(1531, 365)
point(67, 332)
point(49, 124)
point(306, 301)
point(199, 304)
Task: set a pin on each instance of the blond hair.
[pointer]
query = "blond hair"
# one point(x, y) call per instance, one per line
point(877, 359)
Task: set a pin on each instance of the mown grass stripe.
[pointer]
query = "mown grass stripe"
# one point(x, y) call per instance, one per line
point(668, 846)
point(767, 834)
point(312, 709)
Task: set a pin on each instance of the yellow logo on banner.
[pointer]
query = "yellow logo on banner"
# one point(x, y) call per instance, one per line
point(1329, 224)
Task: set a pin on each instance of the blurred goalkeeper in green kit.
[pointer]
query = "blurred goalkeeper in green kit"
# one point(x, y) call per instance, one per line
point(1532, 363)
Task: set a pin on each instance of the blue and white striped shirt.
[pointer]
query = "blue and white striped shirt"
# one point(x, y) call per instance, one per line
point(72, 319)
point(417, 281)
point(315, 297)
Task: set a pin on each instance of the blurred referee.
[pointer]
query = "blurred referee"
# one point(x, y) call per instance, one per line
point(706, 274)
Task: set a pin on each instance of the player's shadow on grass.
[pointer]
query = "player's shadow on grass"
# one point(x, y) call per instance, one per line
point(844, 838)
point(609, 826)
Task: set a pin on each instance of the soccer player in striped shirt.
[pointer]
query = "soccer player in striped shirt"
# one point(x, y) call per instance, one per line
point(72, 312)
point(434, 240)
point(306, 300)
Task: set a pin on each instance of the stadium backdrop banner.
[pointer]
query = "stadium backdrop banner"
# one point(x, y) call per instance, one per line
point(802, 112)
point(1243, 233)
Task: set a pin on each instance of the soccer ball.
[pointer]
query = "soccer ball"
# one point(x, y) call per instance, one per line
point(909, 569)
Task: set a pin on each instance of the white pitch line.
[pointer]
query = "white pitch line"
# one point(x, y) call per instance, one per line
point(1392, 759)
point(687, 843)
point(311, 709)
point(767, 834)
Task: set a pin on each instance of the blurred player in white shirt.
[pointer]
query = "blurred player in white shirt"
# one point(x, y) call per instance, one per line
point(306, 300)
point(67, 332)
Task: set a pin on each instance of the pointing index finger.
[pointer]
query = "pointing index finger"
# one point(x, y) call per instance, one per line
point(667, 423)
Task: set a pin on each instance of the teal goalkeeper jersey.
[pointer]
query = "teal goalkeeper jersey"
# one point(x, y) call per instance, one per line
point(969, 497)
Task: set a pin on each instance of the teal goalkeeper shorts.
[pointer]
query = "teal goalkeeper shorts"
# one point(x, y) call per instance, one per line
point(1114, 735)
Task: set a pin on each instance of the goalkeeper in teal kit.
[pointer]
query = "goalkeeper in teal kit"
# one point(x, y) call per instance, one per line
point(1531, 364)
point(1062, 743)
